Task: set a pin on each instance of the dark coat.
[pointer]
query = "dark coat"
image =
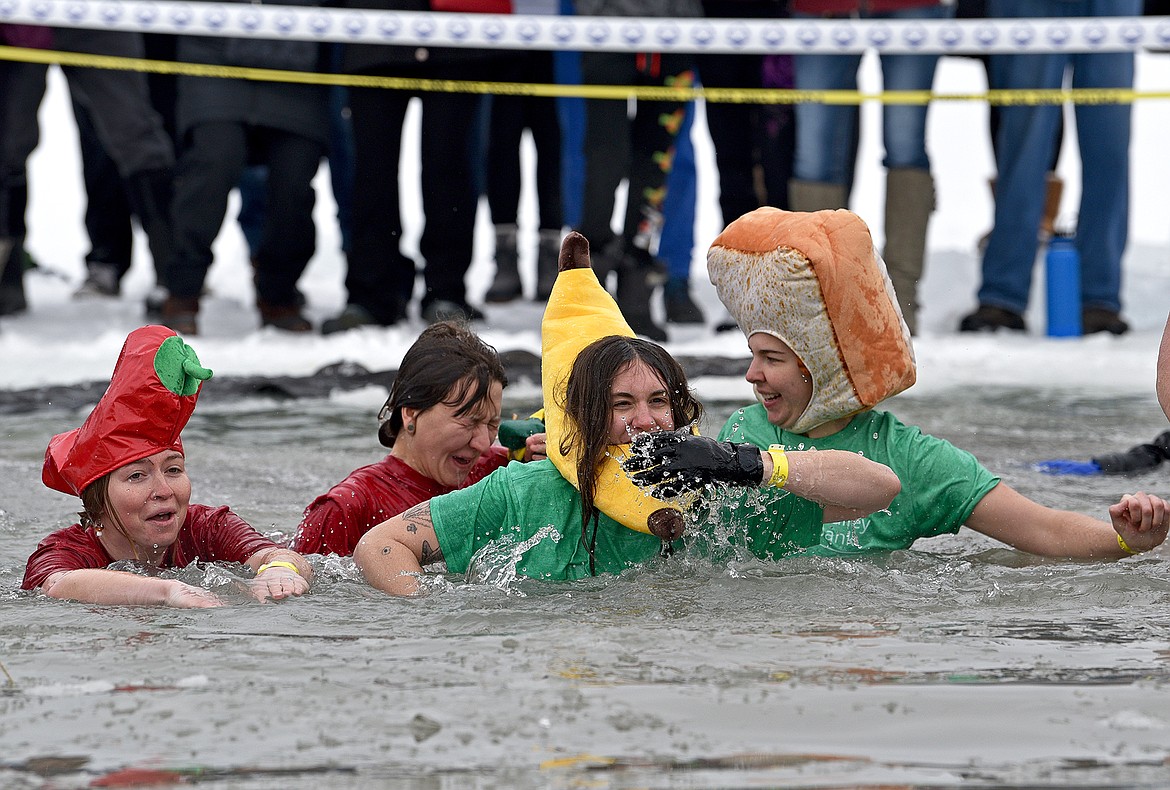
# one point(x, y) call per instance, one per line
point(291, 107)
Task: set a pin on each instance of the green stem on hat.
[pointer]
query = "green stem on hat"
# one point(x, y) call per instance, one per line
point(178, 368)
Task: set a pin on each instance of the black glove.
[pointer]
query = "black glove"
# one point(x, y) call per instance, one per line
point(670, 462)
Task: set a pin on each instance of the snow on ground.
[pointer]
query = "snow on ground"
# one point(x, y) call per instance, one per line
point(60, 341)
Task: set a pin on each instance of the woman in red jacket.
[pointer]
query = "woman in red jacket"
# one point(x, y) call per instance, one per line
point(127, 464)
point(440, 423)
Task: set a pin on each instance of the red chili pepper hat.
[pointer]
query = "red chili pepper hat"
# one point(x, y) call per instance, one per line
point(151, 396)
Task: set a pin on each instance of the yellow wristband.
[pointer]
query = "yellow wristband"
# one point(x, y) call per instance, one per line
point(1124, 547)
point(278, 564)
point(779, 466)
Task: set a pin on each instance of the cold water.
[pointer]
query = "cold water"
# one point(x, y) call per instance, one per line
point(960, 662)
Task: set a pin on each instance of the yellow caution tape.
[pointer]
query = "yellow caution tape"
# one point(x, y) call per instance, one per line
point(650, 93)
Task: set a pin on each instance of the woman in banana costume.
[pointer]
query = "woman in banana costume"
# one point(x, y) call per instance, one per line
point(617, 386)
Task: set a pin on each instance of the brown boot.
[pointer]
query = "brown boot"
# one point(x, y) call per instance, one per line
point(1054, 191)
point(178, 313)
point(286, 318)
point(909, 203)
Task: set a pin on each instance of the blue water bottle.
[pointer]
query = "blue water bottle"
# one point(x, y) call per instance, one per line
point(1063, 277)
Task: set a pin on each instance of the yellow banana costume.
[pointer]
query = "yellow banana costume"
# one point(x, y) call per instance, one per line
point(580, 311)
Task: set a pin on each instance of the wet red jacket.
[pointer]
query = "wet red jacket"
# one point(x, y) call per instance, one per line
point(845, 7)
point(335, 522)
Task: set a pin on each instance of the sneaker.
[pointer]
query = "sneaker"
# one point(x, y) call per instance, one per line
point(448, 310)
point(1100, 319)
point(680, 307)
point(286, 318)
point(991, 319)
point(101, 280)
point(353, 316)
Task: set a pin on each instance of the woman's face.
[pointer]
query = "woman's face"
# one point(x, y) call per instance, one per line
point(639, 403)
point(780, 380)
point(150, 498)
point(445, 447)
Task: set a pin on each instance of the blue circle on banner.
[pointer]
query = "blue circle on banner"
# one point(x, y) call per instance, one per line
point(215, 18)
point(950, 36)
point(41, 11)
point(1094, 34)
point(1058, 34)
point(76, 12)
point(424, 28)
point(844, 37)
point(1022, 35)
point(1131, 33)
point(597, 33)
point(986, 35)
point(354, 25)
point(808, 35)
point(458, 29)
point(632, 33)
point(181, 17)
point(702, 35)
point(668, 34)
point(7, 9)
point(880, 35)
point(1162, 31)
point(320, 23)
point(528, 31)
point(147, 15)
point(914, 36)
point(774, 35)
point(737, 35)
point(563, 32)
point(390, 28)
point(249, 20)
point(493, 30)
point(285, 23)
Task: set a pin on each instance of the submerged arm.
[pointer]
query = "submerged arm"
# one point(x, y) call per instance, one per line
point(102, 586)
point(391, 555)
point(279, 574)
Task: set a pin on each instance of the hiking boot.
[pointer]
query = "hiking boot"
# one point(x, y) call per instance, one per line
point(178, 313)
point(355, 316)
point(1101, 319)
point(286, 318)
point(991, 319)
point(101, 280)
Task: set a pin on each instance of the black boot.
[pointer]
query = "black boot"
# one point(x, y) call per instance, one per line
point(548, 252)
point(680, 307)
point(638, 276)
point(506, 286)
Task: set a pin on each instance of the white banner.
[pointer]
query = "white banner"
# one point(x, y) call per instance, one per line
point(585, 34)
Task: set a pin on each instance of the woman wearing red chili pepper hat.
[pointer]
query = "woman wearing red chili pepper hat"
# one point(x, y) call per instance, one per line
point(126, 462)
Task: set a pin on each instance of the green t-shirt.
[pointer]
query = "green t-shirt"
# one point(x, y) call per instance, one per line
point(941, 484)
point(530, 510)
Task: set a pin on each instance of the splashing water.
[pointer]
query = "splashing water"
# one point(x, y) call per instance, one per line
point(495, 564)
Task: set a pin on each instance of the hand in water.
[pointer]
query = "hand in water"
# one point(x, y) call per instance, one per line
point(277, 583)
point(186, 596)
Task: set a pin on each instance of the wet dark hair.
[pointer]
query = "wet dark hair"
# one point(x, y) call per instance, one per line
point(588, 398)
point(448, 363)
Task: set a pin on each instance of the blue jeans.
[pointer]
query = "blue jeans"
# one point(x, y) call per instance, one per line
point(1024, 146)
point(824, 132)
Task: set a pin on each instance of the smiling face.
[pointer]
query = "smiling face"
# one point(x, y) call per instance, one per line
point(444, 445)
point(780, 380)
point(149, 498)
point(639, 403)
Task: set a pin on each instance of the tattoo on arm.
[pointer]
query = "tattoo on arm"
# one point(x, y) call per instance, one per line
point(430, 553)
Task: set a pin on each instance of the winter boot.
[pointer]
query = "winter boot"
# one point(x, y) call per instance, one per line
point(909, 202)
point(506, 286)
point(638, 275)
point(816, 195)
point(680, 307)
point(178, 313)
point(548, 251)
point(101, 280)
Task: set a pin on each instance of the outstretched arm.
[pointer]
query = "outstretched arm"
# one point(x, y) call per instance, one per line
point(391, 555)
point(847, 485)
point(1140, 520)
point(118, 588)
